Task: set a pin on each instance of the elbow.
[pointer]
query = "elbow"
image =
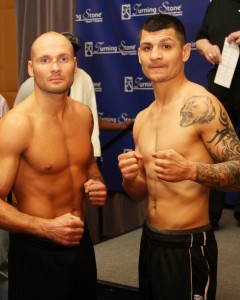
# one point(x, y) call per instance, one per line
point(136, 195)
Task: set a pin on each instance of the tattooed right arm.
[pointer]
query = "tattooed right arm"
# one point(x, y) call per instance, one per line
point(223, 146)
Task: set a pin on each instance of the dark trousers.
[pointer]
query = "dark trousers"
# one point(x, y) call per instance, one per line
point(39, 269)
point(174, 266)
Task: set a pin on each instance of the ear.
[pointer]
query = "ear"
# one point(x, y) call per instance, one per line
point(75, 63)
point(30, 68)
point(139, 59)
point(186, 52)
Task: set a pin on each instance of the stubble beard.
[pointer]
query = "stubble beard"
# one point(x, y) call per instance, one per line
point(55, 89)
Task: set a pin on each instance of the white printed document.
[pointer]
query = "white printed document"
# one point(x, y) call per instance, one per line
point(227, 66)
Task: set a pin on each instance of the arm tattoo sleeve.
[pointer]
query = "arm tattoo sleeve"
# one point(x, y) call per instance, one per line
point(226, 174)
point(224, 147)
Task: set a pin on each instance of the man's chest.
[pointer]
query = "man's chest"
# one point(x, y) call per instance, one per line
point(56, 149)
point(165, 135)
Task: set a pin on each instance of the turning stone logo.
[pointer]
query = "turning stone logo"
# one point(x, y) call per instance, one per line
point(89, 17)
point(137, 10)
point(97, 86)
point(193, 46)
point(123, 48)
point(122, 118)
point(125, 150)
point(131, 84)
point(175, 10)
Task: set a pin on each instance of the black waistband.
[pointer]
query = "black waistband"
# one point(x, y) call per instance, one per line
point(179, 241)
point(41, 243)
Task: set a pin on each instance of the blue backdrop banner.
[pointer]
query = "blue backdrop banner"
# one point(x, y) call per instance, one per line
point(108, 32)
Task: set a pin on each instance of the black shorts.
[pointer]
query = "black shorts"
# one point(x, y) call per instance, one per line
point(177, 266)
point(40, 269)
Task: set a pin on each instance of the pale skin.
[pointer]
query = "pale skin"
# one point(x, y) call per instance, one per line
point(184, 141)
point(212, 52)
point(46, 154)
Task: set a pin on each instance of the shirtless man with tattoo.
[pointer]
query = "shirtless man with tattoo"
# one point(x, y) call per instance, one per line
point(46, 157)
point(185, 144)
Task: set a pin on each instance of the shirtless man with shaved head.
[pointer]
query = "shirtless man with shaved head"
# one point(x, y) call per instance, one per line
point(46, 158)
point(185, 144)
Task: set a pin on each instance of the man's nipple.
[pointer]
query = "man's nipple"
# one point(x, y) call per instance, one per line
point(48, 167)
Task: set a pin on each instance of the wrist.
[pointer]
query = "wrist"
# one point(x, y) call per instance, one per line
point(195, 172)
point(206, 47)
point(40, 227)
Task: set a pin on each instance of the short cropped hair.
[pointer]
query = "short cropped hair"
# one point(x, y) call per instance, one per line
point(164, 21)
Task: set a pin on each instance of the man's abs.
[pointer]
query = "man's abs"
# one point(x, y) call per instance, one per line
point(180, 211)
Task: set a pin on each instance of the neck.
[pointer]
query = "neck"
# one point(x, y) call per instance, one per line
point(166, 92)
point(52, 104)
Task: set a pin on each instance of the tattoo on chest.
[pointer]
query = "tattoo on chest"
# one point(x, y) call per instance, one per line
point(197, 110)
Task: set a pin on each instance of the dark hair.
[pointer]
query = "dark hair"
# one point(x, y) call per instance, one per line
point(164, 21)
point(73, 40)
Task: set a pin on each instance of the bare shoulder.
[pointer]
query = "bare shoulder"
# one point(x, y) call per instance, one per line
point(199, 107)
point(143, 114)
point(198, 91)
point(15, 129)
point(81, 111)
point(15, 119)
point(79, 107)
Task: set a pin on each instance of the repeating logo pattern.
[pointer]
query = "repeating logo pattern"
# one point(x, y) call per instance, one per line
point(97, 48)
point(108, 31)
point(89, 16)
point(132, 84)
point(135, 10)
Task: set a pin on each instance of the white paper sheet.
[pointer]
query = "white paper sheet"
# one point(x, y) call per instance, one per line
point(226, 68)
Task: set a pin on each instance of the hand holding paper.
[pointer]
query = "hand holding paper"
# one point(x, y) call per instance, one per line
point(227, 66)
